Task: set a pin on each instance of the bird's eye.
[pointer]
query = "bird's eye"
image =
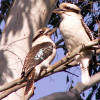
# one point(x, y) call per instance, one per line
point(41, 32)
point(67, 7)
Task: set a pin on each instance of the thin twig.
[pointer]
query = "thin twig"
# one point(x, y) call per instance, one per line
point(59, 41)
point(71, 73)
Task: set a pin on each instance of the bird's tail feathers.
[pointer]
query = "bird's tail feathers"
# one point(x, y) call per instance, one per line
point(84, 70)
point(30, 82)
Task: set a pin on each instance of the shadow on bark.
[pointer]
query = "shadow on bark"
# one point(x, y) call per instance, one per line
point(18, 11)
point(70, 95)
point(4, 68)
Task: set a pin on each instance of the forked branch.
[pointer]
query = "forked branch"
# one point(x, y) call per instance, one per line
point(61, 65)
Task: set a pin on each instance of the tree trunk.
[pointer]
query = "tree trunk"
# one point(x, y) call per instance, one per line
point(25, 18)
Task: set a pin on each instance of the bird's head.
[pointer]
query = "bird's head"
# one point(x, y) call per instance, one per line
point(67, 7)
point(47, 31)
point(44, 31)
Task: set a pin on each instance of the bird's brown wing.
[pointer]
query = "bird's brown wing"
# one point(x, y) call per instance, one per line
point(36, 55)
point(88, 31)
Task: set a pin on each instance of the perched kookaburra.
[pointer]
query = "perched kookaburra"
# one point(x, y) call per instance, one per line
point(40, 56)
point(75, 32)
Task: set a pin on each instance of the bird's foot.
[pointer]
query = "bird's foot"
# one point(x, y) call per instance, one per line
point(83, 46)
point(28, 71)
point(44, 69)
point(68, 54)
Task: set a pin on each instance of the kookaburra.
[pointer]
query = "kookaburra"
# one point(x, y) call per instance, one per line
point(40, 56)
point(75, 32)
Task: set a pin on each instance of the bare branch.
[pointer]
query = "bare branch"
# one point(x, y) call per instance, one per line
point(9, 91)
point(93, 80)
point(11, 84)
point(59, 66)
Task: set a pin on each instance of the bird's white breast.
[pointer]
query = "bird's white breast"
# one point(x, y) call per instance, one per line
point(73, 32)
point(47, 61)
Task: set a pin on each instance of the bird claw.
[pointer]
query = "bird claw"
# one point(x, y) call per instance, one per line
point(44, 69)
point(68, 54)
point(29, 70)
point(83, 46)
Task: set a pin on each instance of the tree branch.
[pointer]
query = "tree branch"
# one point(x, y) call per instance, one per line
point(93, 80)
point(11, 84)
point(11, 90)
point(59, 66)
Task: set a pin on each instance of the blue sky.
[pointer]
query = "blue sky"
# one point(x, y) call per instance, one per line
point(56, 82)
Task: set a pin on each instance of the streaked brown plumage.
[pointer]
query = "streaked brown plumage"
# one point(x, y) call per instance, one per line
point(39, 56)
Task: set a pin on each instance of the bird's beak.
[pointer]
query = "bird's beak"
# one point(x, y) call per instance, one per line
point(59, 11)
point(51, 31)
